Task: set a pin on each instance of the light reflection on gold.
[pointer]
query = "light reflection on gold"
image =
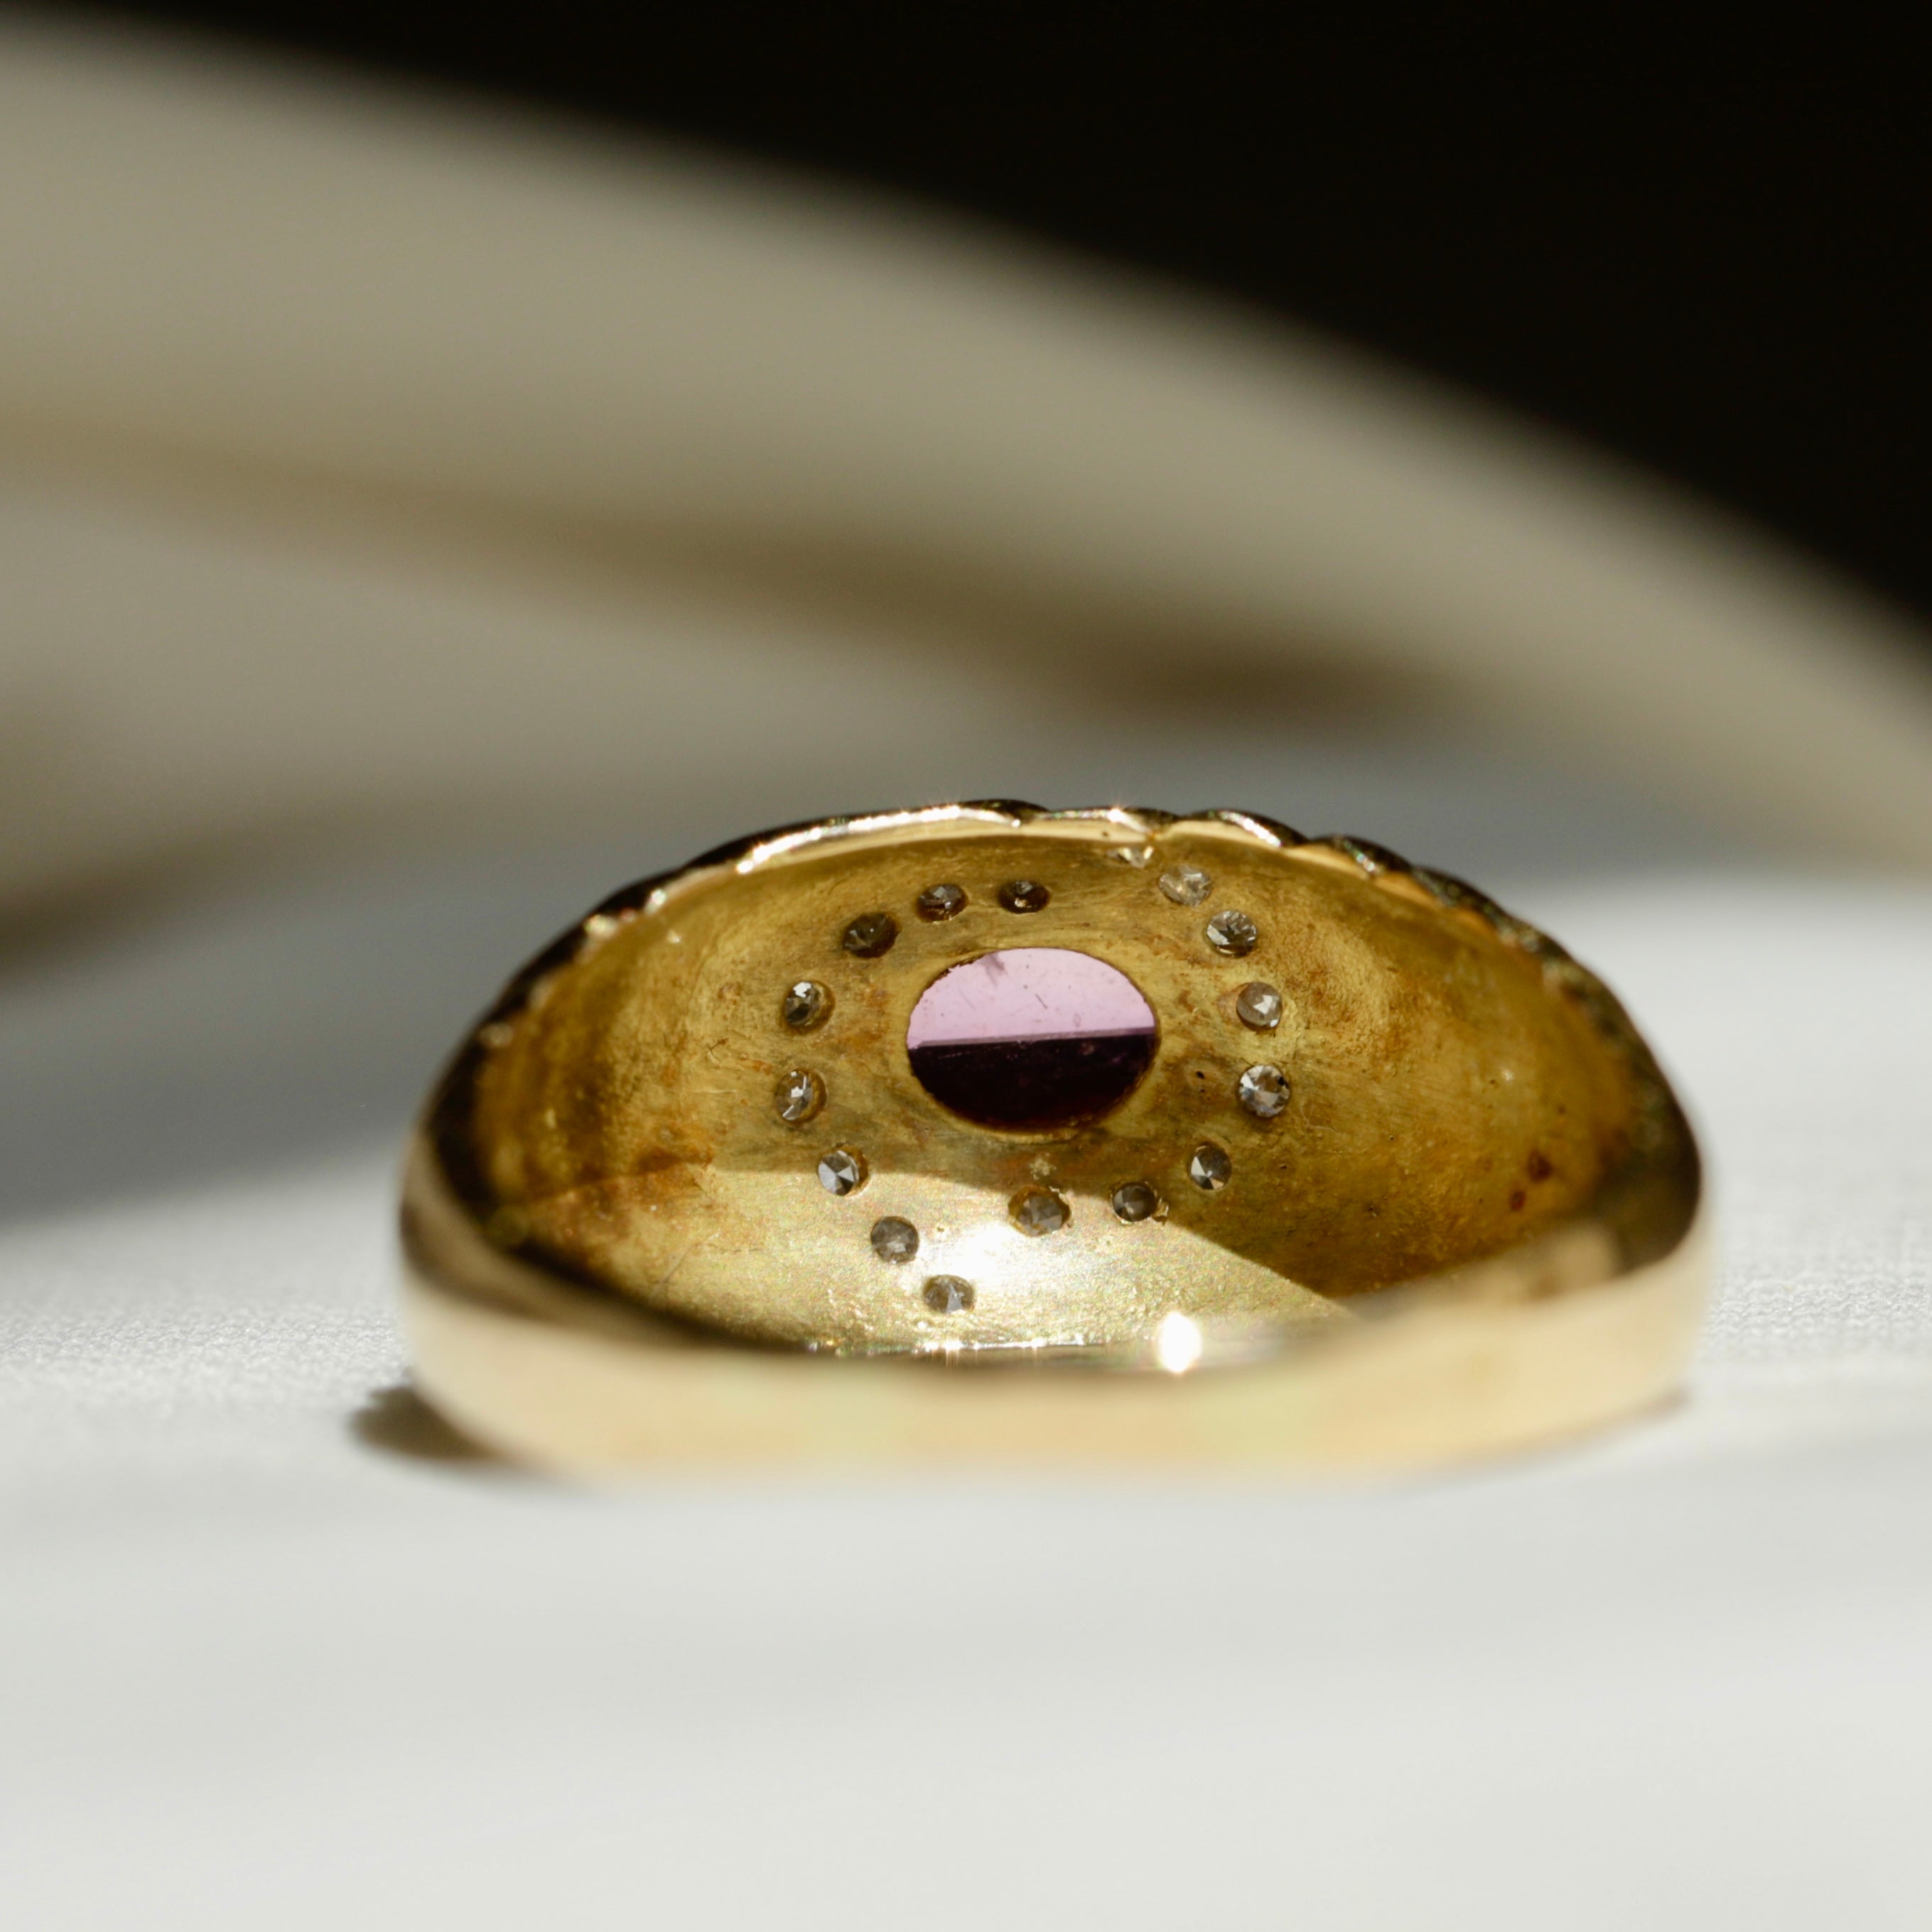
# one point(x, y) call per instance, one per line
point(1177, 1343)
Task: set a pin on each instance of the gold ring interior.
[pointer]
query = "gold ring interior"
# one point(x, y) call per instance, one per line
point(1368, 1099)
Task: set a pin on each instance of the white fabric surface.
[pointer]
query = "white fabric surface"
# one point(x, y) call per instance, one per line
point(264, 1662)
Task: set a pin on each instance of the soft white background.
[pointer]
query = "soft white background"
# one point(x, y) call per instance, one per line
point(356, 637)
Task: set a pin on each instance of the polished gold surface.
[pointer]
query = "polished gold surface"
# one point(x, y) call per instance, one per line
point(684, 1193)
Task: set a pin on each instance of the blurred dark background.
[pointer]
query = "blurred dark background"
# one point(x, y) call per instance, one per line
point(1701, 244)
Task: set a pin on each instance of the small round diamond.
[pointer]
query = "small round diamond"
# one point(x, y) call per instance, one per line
point(1210, 1169)
point(1040, 1211)
point(1233, 933)
point(1185, 885)
point(1135, 1201)
point(947, 1295)
point(894, 1240)
point(841, 1172)
point(1258, 1005)
point(1263, 1091)
point(806, 1005)
point(870, 935)
point(1024, 896)
point(941, 902)
point(800, 1095)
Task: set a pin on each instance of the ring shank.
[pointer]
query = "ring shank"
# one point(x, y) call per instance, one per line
point(580, 1388)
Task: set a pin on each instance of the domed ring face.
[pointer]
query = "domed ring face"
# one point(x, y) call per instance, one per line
point(1090, 1072)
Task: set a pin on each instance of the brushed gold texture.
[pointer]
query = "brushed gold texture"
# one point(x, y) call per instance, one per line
point(649, 1213)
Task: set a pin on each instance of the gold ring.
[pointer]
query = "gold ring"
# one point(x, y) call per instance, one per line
point(983, 1131)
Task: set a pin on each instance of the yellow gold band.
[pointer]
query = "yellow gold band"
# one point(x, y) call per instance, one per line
point(1383, 1176)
